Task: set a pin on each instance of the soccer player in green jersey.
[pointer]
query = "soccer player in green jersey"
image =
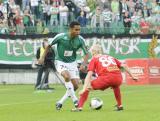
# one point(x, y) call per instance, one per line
point(67, 46)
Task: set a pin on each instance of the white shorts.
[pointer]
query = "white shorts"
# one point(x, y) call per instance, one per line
point(70, 67)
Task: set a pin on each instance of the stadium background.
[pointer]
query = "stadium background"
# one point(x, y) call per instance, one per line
point(133, 39)
point(19, 54)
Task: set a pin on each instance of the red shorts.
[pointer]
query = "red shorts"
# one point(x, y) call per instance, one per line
point(103, 82)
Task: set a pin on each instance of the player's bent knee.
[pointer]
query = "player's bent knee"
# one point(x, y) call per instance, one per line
point(66, 76)
point(75, 87)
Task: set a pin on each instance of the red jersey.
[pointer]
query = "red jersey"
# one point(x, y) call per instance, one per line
point(104, 64)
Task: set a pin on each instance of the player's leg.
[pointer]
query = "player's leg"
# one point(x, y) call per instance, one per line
point(62, 69)
point(75, 83)
point(84, 96)
point(115, 83)
point(74, 73)
point(69, 90)
point(69, 85)
point(117, 94)
point(96, 84)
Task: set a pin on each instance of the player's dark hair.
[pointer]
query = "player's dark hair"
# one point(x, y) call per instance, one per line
point(74, 23)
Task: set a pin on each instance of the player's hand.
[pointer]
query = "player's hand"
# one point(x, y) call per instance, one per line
point(135, 78)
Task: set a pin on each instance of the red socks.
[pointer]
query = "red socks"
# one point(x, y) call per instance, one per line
point(117, 95)
point(83, 98)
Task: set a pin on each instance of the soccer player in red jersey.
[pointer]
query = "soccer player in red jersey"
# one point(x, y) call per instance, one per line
point(108, 70)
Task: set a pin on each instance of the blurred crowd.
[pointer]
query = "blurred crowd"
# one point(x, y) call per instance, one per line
point(135, 16)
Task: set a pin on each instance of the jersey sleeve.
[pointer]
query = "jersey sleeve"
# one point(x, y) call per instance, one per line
point(118, 63)
point(83, 45)
point(55, 39)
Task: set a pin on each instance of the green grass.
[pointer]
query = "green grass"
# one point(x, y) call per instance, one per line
point(22, 103)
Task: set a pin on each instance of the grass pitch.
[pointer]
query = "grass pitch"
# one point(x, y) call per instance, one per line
point(23, 103)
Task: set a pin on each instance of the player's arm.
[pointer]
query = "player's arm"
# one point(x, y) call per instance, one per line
point(125, 68)
point(86, 54)
point(52, 42)
point(128, 71)
point(83, 65)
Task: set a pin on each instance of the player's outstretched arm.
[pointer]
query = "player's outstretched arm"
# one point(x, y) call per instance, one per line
point(128, 71)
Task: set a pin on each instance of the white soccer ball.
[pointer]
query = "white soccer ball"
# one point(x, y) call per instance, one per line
point(96, 103)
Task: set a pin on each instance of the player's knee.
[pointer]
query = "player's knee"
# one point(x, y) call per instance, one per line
point(66, 76)
point(75, 87)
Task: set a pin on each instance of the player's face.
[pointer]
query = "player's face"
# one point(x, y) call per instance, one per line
point(75, 31)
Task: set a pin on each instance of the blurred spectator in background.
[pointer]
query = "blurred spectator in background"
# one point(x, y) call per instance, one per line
point(82, 19)
point(127, 22)
point(27, 18)
point(104, 4)
point(3, 11)
point(63, 14)
point(144, 26)
point(131, 4)
point(46, 12)
point(115, 10)
point(139, 5)
point(11, 22)
point(97, 20)
point(54, 10)
point(147, 8)
point(12, 4)
point(135, 19)
point(34, 8)
point(1, 15)
point(72, 13)
point(25, 4)
point(19, 3)
point(19, 21)
point(123, 7)
point(3, 27)
point(107, 15)
point(69, 10)
point(156, 11)
point(86, 11)
point(39, 26)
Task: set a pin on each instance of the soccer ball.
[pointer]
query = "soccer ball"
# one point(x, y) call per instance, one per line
point(96, 103)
